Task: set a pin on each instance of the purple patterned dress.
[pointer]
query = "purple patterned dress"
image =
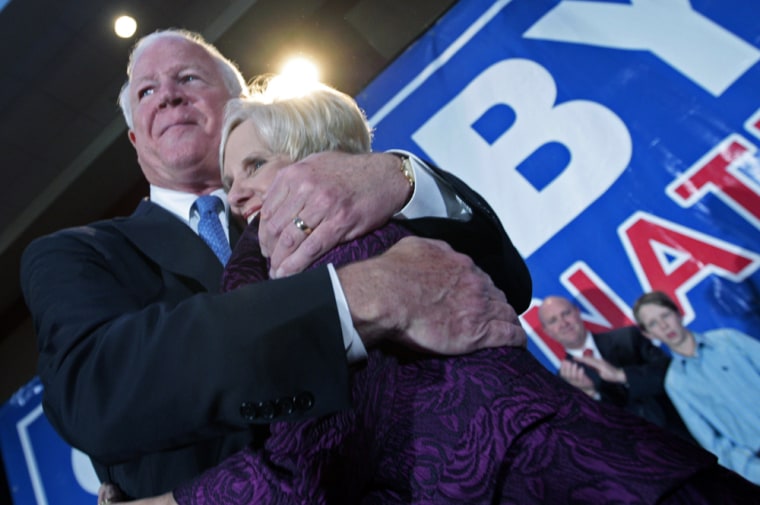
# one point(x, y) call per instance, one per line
point(493, 427)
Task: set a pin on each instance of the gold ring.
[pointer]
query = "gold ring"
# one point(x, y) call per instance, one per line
point(301, 225)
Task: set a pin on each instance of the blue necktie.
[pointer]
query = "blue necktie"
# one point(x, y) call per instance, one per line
point(210, 228)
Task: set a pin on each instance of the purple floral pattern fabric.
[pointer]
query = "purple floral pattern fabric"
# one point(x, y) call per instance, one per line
point(492, 427)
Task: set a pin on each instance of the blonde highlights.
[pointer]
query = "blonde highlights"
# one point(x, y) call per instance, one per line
point(320, 119)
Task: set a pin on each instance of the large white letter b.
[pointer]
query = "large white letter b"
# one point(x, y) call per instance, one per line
point(597, 140)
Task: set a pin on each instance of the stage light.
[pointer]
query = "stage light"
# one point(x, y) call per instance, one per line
point(298, 77)
point(125, 26)
point(301, 69)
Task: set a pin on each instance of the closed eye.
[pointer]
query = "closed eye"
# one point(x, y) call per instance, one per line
point(254, 164)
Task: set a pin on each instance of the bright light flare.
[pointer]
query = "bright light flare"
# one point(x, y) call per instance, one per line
point(301, 69)
point(298, 77)
point(125, 26)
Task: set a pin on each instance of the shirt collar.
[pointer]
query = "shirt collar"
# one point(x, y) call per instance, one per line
point(700, 342)
point(179, 203)
point(588, 344)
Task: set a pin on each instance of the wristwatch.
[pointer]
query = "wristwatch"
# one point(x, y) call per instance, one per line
point(406, 169)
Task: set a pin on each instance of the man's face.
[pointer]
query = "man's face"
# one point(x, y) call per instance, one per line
point(177, 97)
point(249, 167)
point(562, 321)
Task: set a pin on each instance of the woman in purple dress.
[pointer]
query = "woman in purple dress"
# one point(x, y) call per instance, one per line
point(489, 427)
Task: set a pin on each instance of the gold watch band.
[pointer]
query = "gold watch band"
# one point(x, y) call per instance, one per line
point(407, 170)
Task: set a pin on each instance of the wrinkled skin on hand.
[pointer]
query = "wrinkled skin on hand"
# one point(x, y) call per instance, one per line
point(429, 298)
point(340, 196)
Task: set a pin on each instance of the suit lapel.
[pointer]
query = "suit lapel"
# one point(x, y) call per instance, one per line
point(611, 348)
point(603, 344)
point(172, 244)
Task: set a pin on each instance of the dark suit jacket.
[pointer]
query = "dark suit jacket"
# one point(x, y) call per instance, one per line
point(645, 366)
point(152, 372)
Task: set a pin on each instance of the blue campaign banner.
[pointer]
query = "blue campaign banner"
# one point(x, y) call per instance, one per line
point(616, 140)
point(41, 468)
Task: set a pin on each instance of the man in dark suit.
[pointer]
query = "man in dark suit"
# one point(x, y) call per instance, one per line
point(156, 375)
point(620, 367)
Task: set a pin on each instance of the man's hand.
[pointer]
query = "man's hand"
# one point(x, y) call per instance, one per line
point(607, 371)
point(110, 493)
point(426, 296)
point(574, 374)
point(339, 196)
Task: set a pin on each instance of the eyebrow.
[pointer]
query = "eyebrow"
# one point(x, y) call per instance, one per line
point(175, 70)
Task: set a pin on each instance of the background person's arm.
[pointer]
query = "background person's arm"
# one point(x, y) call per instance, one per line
point(647, 378)
point(643, 377)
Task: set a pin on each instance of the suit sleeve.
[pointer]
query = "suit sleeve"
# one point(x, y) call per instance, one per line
point(648, 377)
point(484, 239)
point(136, 360)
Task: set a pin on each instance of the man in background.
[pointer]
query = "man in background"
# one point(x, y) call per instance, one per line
point(620, 367)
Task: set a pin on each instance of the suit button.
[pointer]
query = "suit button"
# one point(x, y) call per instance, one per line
point(267, 410)
point(248, 411)
point(285, 406)
point(304, 401)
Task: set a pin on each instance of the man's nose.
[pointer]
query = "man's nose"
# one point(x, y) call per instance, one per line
point(171, 97)
point(171, 102)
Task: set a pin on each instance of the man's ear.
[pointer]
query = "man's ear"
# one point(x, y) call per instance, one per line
point(131, 136)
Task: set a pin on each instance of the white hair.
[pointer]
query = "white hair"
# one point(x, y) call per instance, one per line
point(231, 76)
point(322, 119)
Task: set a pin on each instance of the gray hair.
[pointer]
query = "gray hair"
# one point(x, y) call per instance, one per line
point(322, 119)
point(231, 76)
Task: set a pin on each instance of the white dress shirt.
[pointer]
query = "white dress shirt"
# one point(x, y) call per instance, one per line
point(589, 344)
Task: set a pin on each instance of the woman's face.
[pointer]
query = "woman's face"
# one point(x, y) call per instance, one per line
point(249, 168)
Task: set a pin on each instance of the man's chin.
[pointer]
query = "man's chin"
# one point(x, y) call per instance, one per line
point(179, 134)
point(180, 129)
point(187, 150)
point(191, 165)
